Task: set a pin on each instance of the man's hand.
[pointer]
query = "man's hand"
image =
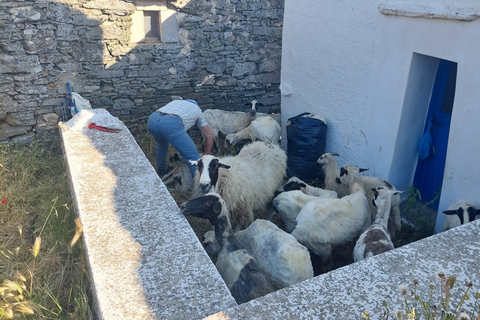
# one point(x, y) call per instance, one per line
point(207, 133)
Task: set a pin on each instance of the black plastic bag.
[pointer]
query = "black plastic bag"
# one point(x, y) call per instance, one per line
point(306, 136)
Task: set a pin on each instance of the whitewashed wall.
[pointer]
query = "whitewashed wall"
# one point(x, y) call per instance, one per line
point(350, 62)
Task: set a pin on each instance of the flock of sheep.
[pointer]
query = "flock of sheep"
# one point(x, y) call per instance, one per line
point(256, 256)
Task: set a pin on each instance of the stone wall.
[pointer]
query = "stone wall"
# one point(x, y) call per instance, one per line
point(228, 54)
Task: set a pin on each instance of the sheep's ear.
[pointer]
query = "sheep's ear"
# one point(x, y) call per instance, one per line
point(193, 162)
point(450, 212)
point(217, 207)
point(335, 154)
point(362, 170)
point(223, 165)
point(398, 192)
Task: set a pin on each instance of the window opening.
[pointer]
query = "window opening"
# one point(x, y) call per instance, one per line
point(153, 23)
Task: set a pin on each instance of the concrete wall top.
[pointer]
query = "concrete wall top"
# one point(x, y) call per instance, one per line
point(363, 286)
point(145, 260)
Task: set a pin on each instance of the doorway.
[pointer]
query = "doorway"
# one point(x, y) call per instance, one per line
point(429, 172)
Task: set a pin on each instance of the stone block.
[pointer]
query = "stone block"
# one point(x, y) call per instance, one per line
point(9, 131)
point(123, 104)
point(245, 68)
point(25, 14)
point(46, 122)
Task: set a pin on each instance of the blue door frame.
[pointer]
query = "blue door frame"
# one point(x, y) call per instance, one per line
point(429, 172)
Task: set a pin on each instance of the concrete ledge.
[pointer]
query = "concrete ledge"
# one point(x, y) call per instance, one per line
point(147, 263)
point(145, 260)
point(363, 286)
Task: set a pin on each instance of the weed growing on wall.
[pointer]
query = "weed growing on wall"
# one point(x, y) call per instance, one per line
point(437, 304)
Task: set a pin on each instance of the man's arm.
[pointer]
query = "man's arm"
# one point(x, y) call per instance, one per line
point(207, 133)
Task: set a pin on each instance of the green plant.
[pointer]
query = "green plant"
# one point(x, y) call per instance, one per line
point(416, 307)
point(420, 216)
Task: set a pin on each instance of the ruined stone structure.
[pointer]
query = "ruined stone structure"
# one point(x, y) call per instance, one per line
point(223, 53)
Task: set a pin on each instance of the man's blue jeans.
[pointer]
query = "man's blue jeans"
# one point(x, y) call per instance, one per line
point(169, 129)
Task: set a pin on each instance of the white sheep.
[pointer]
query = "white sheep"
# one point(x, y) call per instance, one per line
point(228, 122)
point(376, 239)
point(237, 267)
point(283, 259)
point(460, 212)
point(331, 170)
point(294, 183)
point(330, 166)
point(395, 220)
point(288, 205)
point(292, 196)
point(262, 128)
point(326, 222)
point(247, 182)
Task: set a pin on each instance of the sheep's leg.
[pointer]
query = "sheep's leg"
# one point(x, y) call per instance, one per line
point(324, 252)
point(234, 138)
point(169, 177)
point(217, 146)
point(394, 221)
point(328, 260)
point(272, 215)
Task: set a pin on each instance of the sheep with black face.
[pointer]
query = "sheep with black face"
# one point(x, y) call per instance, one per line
point(237, 267)
point(247, 182)
point(460, 212)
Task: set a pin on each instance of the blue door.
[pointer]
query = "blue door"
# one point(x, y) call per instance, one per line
point(429, 172)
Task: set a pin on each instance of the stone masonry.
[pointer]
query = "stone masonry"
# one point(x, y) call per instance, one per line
point(229, 52)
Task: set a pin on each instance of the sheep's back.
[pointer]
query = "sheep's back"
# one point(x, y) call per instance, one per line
point(332, 221)
point(227, 121)
point(278, 253)
point(250, 183)
point(288, 204)
point(266, 129)
point(375, 240)
point(263, 167)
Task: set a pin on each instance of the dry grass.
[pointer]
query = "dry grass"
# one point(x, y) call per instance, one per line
point(39, 271)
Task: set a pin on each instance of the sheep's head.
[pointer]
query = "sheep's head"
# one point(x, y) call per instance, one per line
point(327, 158)
point(208, 207)
point(208, 167)
point(349, 173)
point(253, 104)
point(213, 208)
point(465, 213)
point(293, 183)
point(382, 193)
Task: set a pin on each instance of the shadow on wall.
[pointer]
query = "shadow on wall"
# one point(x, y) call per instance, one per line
point(44, 46)
point(220, 54)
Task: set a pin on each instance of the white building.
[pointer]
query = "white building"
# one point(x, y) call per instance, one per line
point(378, 71)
